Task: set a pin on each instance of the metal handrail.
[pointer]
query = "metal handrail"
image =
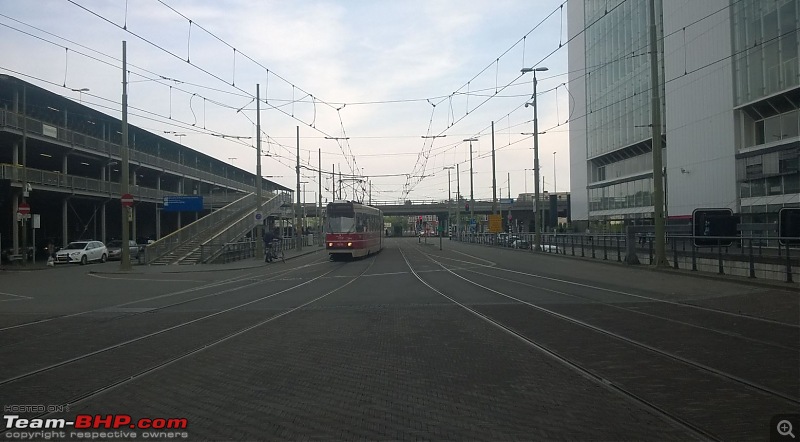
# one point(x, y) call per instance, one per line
point(78, 183)
point(240, 227)
point(112, 151)
point(197, 229)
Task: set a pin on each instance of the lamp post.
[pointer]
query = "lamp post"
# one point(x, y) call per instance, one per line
point(471, 188)
point(80, 93)
point(538, 216)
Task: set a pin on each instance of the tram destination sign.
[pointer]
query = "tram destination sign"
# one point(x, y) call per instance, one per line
point(185, 203)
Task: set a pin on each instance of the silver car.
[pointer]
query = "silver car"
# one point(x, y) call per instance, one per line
point(82, 252)
point(115, 249)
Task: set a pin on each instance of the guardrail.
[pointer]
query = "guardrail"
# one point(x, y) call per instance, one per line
point(236, 251)
point(745, 256)
point(194, 230)
point(77, 183)
point(112, 150)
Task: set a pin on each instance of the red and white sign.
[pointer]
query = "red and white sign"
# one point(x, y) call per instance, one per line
point(24, 209)
point(127, 200)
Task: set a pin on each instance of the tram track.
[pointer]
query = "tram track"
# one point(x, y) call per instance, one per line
point(77, 397)
point(515, 322)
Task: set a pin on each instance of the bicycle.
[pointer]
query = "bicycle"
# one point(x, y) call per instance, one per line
point(275, 251)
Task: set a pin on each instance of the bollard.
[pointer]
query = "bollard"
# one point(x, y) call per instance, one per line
point(619, 252)
point(788, 263)
point(605, 248)
point(675, 252)
point(694, 256)
point(752, 261)
point(631, 257)
point(572, 243)
point(719, 258)
point(583, 254)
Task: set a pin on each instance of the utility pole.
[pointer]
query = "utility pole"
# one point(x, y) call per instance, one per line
point(494, 178)
point(257, 234)
point(333, 181)
point(297, 234)
point(660, 259)
point(24, 251)
point(125, 259)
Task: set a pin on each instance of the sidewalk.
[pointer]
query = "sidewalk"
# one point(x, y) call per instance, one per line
point(112, 267)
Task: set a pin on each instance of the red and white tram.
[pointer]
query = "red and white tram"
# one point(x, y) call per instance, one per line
point(353, 229)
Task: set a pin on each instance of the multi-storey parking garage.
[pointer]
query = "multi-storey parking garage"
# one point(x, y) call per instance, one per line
point(63, 160)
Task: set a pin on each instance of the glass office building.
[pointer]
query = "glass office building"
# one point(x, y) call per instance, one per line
point(728, 79)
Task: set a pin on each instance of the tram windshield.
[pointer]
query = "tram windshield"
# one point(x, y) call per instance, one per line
point(341, 224)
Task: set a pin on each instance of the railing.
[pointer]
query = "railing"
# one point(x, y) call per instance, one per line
point(194, 230)
point(236, 251)
point(77, 183)
point(239, 228)
point(112, 151)
point(745, 256)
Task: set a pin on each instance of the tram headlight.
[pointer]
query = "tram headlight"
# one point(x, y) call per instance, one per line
point(349, 244)
point(330, 244)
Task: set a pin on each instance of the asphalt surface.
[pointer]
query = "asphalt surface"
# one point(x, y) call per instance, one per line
point(467, 343)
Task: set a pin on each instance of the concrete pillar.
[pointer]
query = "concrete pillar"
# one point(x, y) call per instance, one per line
point(15, 154)
point(158, 224)
point(15, 223)
point(179, 220)
point(103, 223)
point(94, 223)
point(133, 229)
point(64, 165)
point(64, 223)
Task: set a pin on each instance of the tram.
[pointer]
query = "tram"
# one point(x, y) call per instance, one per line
point(353, 229)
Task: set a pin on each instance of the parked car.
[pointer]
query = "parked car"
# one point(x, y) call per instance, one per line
point(519, 243)
point(82, 252)
point(115, 249)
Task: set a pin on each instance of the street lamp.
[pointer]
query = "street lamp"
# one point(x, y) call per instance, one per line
point(471, 188)
point(80, 93)
point(539, 219)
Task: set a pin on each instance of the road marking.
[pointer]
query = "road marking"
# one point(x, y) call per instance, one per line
point(145, 279)
point(19, 297)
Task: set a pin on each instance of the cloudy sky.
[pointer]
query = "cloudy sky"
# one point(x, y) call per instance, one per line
point(381, 73)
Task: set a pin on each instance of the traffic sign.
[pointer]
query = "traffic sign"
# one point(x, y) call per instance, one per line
point(509, 216)
point(127, 200)
point(714, 227)
point(24, 208)
point(495, 223)
point(258, 218)
point(789, 226)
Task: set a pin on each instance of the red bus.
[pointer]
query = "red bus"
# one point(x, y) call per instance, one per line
point(353, 229)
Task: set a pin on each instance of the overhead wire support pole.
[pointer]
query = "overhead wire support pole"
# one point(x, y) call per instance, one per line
point(494, 177)
point(320, 224)
point(258, 233)
point(299, 242)
point(471, 187)
point(660, 259)
point(125, 259)
point(539, 214)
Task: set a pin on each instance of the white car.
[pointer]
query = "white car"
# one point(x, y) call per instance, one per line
point(82, 252)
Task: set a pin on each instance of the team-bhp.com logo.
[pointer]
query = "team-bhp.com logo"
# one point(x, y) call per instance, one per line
point(122, 425)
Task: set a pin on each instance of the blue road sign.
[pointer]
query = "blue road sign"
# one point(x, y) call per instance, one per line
point(186, 203)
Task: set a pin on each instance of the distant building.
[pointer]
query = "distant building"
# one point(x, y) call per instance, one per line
point(730, 96)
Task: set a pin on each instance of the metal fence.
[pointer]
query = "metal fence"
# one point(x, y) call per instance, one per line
point(745, 256)
point(246, 248)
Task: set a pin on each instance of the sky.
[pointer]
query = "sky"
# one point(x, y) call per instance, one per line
point(363, 80)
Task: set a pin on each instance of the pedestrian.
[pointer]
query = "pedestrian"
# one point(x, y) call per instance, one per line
point(268, 237)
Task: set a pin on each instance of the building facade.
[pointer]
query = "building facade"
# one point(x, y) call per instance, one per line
point(728, 79)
